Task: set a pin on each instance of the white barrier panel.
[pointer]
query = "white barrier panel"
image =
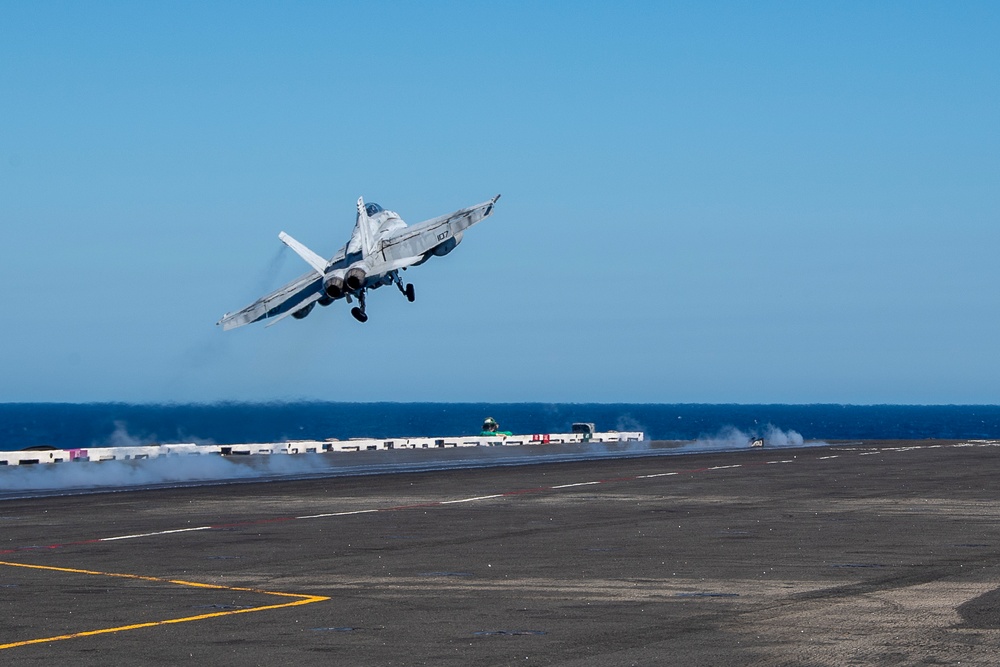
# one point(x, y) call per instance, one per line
point(306, 447)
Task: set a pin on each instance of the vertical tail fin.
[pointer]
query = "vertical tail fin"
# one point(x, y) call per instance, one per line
point(365, 230)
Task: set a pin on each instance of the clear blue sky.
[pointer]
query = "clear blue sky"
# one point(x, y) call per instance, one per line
point(702, 202)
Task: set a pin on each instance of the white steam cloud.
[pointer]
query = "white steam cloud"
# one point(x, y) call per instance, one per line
point(120, 437)
point(192, 469)
point(164, 470)
point(167, 470)
point(731, 437)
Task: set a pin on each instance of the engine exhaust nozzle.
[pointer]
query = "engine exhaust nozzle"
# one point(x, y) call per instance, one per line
point(334, 287)
point(355, 278)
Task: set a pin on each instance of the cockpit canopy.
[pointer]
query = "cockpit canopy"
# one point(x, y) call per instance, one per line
point(373, 209)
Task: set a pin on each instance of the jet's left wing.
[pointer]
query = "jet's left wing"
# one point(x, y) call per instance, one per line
point(415, 243)
point(299, 294)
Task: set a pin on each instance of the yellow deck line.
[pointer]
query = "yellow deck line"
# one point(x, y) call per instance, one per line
point(300, 600)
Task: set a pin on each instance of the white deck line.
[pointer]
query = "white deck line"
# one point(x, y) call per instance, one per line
point(328, 514)
point(470, 500)
point(161, 532)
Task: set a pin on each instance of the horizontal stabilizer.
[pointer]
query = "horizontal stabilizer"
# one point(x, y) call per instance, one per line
point(312, 259)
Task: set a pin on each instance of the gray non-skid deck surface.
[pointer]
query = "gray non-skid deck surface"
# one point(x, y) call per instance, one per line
point(872, 553)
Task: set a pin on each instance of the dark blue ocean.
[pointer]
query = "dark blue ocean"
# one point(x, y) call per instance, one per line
point(71, 425)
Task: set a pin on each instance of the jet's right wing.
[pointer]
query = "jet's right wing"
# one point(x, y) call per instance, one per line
point(414, 243)
point(296, 295)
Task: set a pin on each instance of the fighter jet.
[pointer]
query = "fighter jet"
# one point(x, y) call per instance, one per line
point(380, 247)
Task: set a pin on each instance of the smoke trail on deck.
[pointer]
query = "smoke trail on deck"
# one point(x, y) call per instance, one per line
point(730, 438)
point(92, 475)
point(195, 469)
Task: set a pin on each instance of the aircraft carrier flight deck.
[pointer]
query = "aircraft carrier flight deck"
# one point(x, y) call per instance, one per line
point(852, 553)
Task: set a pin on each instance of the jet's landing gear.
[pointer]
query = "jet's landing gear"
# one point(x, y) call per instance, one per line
point(407, 290)
point(359, 311)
